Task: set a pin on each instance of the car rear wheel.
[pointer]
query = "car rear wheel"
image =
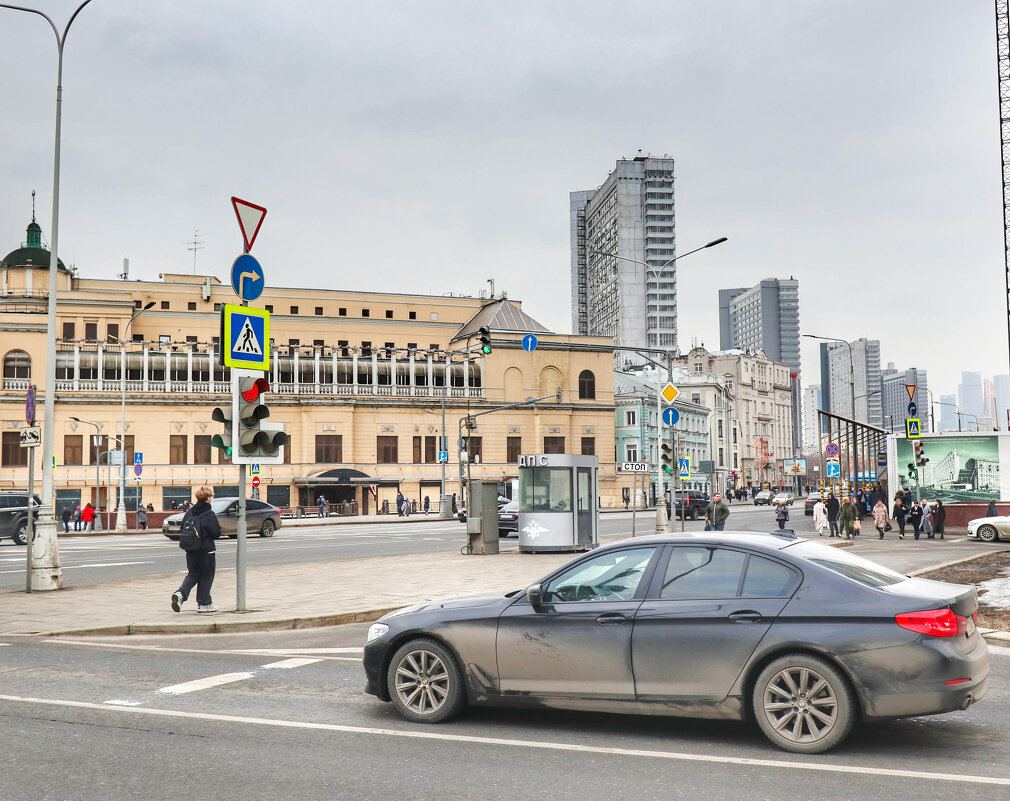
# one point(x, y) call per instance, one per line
point(425, 683)
point(21, 534)
point(803, 704)
point(988, 533)
point(268, 528)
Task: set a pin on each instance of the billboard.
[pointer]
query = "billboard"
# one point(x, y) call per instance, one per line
point(960, 467)
point(794, 467)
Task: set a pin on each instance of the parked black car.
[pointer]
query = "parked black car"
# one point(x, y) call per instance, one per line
point(803, 638)
point(694, 501)
point(14, 515)
point(508, 519)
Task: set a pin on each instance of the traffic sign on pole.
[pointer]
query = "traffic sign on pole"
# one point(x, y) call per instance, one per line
point(669, 393)
point(443, 456)
point(831, 449)
point(912, 428)
point(138, 458)
point(250, 218)
point(255, 481)
point(247, 278)
point(912, 409)
point(529, 343)
point(31, 436)
point(881, 458)
point(254, 469)
point(138, 469)
point(30, 405)
point(634, 467)
point(671, 416)
point(833, 470)
point(910, 389)
point(245, 337)
point(684, 471)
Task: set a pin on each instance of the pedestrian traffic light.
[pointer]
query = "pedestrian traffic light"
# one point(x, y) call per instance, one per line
point(666, 457)
point(255, 441)
point(223, 414)
point(484, 334)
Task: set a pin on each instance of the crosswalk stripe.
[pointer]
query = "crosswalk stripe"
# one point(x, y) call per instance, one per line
point(203, 684)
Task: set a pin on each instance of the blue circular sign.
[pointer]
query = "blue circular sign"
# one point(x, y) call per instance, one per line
point(671, 416)
point(912, 409)
point(30, 405)
point(529, 343)
point(247, 277)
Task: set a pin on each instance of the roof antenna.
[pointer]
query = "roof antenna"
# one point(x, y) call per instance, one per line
point(195, 245)
point(33, 205)
point(491, 281)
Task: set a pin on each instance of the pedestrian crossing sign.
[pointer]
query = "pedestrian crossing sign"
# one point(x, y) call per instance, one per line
point(684, 469)
point(912, 430)
point(245, 337)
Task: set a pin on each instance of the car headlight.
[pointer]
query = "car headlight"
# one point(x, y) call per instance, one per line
point(376, 630)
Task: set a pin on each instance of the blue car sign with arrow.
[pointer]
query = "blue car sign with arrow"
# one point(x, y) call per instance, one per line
point(247, 278)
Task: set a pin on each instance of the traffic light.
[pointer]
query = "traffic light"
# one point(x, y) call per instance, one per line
point(484, 334)
point(921, 459)
point(912, 473)
point(254, 440)
point(666, 457)
point(223, 414)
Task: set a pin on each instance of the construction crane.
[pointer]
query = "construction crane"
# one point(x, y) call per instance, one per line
point(1003, 70)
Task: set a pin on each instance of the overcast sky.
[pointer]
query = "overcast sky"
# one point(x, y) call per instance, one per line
point(428, 146)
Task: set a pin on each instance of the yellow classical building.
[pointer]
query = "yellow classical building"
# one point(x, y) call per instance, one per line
point(358, 379)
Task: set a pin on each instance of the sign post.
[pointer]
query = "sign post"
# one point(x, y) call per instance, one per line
point(30, 438)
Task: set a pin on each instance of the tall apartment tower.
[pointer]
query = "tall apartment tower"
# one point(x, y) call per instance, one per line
point(763, 317)
point(895, 398)
point(866, 374)
point(631, 216)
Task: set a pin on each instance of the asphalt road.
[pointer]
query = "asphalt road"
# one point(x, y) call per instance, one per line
point(281, 715)
point(87, 560)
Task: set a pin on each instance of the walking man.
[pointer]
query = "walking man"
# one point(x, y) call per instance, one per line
point(915, 518)
point(716, 513)
point(820, 517)
point(65, 517)
point(833, 507)
point(898, 513)
point(939, 516)
point(202, 564)
point(847, 517)
point(322, 506)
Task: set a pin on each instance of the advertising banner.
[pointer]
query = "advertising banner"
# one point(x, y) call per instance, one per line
point(959, 468)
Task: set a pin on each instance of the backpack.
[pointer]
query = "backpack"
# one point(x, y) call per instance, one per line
point(189, 534)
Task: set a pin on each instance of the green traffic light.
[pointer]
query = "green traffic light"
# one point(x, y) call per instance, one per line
point(485, 349)
point(217, 441)
point(667, 468)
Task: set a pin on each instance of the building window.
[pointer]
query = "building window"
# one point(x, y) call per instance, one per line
point(389, 314)
point(318, 343)
point(475, 449)
point(364, 312)
point(294, 310)
point(719, 426)
point(17, 364)
point(91, 331)
point(191, 306)
point(386, 450)
point(434, 316)
point(112, 332)
point(73, 449)
point(329, 448)
point(417, 450)
point(166, 305)
point(722, 462)
point(430, 449)
point(696, 397)
point(513, 449)
point(177, 449)
point(11, 452)
point(319, 311)
point(554, 445)
point(269, 307)
point(631, 451)
point(412, 315)
point(411, 346)
point(68, 331)
point(342, 311)
point(366, 348)
point(589, 446)
point(201, 449)
point(630, 417)
point(697, 367)
point(587, 385)
point(342, 345)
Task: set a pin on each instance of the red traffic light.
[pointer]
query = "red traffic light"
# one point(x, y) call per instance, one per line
point(259, 386)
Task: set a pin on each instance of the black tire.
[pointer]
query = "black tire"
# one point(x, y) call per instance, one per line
point(988, 533)
point(21, 533)
point(268, 528)
point(810, 726)
point(431, 686)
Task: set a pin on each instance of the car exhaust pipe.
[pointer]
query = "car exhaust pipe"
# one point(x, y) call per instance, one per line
point(967, 701)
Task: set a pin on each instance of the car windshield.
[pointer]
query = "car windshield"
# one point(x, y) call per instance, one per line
point(220, 505)
point(854, 567)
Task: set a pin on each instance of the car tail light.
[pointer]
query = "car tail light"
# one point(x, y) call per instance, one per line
point(934, 622)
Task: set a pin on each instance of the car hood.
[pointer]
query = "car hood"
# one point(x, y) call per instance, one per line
point(175, 518)
point(460, 603)
point(980, 520)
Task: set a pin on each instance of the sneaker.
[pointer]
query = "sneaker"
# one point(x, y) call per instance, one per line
point(177, 601)
point(207, 608)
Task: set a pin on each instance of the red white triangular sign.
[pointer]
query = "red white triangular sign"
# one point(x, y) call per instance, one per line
point(910, 389)
point(250, 218)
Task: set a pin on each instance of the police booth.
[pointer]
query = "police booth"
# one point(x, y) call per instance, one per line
point(558, 502)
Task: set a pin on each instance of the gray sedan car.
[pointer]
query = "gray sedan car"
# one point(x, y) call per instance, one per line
point(803, 638)
point(261, 518)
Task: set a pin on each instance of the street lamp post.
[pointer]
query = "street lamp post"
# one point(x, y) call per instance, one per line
point(46, 573)
point(121, 509)
point(660, 506)
point(98, 460)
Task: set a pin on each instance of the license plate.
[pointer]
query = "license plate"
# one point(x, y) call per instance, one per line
point(970, 629)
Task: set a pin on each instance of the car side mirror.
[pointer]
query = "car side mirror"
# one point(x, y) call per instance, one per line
point(534, 597)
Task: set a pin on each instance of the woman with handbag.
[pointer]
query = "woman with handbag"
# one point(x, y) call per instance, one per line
point(939, 516)
point(880, 517)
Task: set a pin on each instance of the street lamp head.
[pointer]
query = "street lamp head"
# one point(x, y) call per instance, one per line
point(76, 419)
point(149, 306)
point(718, 241)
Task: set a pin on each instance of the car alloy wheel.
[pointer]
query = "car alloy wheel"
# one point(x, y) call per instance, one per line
point(803, 704)
point(268, 528)
point(425, 683)
point(21, 534)
point(988, 534)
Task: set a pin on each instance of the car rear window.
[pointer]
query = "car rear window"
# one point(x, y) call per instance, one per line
point(854, 567)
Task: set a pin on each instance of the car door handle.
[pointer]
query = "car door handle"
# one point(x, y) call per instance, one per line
point(611, 617)
point(745, 616)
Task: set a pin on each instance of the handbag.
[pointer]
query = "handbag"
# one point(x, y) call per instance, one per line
point(887, 526)
point(708, 526)
point(856, 525)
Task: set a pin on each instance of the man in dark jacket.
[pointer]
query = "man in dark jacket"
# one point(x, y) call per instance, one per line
point(716, 513)
point(201, 564)
point(833, 507)
point(898, 513)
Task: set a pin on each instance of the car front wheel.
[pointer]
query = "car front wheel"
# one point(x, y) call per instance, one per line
point(803, 704)
point(21, 534)
point(425, 683)
point(268, 528)
point(988, 533)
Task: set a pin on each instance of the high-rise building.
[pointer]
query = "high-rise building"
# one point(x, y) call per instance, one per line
point(764, 317)
point(1001, 386)
point(948, 413)
point(811, 403)
point(969, 397)
point(894, 408)
point(623, 239)
point(864, 371)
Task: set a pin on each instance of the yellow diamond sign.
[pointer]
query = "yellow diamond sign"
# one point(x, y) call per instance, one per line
point(670, 393)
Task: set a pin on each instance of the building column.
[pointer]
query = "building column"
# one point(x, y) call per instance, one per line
point(375, 372)
point(101, 368)
point(297, 372)
point(77, 367)
point(315, 369)
point(189, 370)
point(431, 375)
point(466, 377)
point(333, 379)
point(146, 377)
point(354, 372)
point(410, 363)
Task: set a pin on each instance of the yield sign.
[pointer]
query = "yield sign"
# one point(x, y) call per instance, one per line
point(910, 389)
point(250, 218)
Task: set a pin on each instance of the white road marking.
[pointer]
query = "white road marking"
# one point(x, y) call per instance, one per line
point(999, 650)
point(97, 564)
point(290, 663)
point(325, 652)
point(117, 702)
point(203, 684)
point(823, 767)
point(293, 651)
